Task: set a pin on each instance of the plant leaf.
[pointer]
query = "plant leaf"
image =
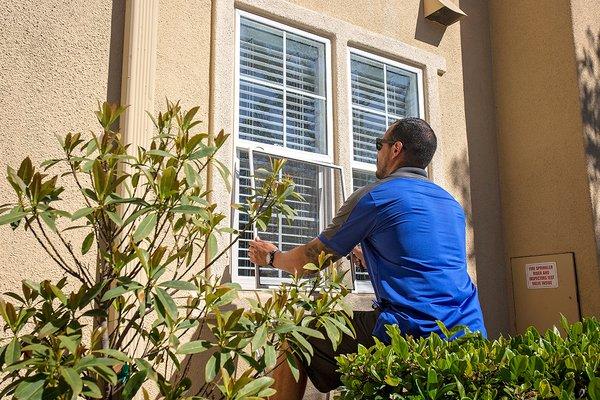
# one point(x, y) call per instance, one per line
point(145, 228)
point(73, 379)
point(196, 346)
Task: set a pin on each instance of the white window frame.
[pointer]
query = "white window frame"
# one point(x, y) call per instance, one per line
point(361, 286)
point(249, 282)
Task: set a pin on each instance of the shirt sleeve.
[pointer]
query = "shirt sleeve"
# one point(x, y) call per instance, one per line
point(353, 222)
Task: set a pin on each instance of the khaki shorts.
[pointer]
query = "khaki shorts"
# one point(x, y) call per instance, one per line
point(322, 369)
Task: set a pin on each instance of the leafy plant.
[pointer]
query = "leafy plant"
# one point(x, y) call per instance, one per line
point(526, 366)
point(138, 284)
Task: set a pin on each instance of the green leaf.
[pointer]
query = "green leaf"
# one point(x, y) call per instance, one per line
point(59, 294)
point(116, 354)
point(212, 246)
point(594, 389)
point(119, 290)
point(160, 153)
point(196, 346)
point(213, 365)
point(70, 343)
point(167, 301)
point(260, 337)
point(254, 387)
point(188, 209)
point(13, 351)
point(203, 152)
point(191, 176)
point(50, 220)
point(31, 388)
point(133, 385)
point(270, 356)
point(91, 390)
point(11, 217)
point(181, 285)
point(25, 171)
point(115, 218)
point(73, 379)
point(167, 181)
point(145, 228)
point(293, 364)
point(303, 342)
point(81, 213)
point(87, 243)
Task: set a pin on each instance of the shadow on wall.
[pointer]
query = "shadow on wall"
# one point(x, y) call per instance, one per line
point(461, 182)
point(588, 63)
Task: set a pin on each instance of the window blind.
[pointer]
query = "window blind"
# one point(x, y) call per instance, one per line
point(381, 94)
point(282, 95)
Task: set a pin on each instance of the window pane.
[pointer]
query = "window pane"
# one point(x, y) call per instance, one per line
point(304, 226)
point(362, 178)
point(305, 124)
point(367, 83)
point(402, 93)
point(261, 51)
point(305, 64)
point(261, 113)
point(366, 128)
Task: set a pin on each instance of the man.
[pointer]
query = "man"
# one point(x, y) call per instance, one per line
point(412, 237)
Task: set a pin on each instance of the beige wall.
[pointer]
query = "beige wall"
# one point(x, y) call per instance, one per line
point(586, 33)
point(486, 217)
point(183, 55)
point(57, 58)
point(543, 180)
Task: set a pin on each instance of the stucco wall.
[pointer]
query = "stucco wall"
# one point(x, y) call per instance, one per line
point(543, 180)
point(183, 55)
point(56, 62)
point(586, 33)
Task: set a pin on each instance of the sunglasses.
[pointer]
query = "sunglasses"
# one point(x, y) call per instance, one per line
point(379, 142)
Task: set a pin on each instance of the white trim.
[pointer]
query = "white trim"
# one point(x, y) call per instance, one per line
point(384, 60)
point(279, 25)
point(279, 87)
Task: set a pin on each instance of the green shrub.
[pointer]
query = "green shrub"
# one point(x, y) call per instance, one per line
point(139, 283)
point(527, 366)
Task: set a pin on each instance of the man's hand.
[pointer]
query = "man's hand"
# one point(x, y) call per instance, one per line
point(357, 252)
point(259, 250)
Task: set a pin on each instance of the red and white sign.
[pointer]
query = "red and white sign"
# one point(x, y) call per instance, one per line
point(541, 275)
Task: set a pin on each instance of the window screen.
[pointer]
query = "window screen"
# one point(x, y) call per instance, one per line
point(312, 213)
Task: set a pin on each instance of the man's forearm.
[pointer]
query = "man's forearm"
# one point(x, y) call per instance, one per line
point(294, 260)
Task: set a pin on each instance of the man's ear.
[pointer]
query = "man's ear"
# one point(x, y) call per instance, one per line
point(398, 147)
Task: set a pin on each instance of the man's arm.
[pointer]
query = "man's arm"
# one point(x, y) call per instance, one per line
point(291, 261)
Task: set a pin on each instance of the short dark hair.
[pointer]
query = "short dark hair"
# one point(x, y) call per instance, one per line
point(417, 138)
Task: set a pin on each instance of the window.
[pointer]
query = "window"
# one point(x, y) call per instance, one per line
point(382, 91)
point(283, 110)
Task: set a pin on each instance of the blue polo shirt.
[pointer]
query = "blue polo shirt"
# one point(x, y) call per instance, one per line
point(412, 233)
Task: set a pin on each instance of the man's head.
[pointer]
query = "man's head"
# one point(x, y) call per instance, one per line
point(409, 142)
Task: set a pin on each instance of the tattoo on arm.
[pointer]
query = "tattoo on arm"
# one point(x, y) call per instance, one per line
point(313, 249)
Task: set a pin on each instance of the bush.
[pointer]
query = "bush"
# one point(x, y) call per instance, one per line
point(527, 366)
point(138, 280)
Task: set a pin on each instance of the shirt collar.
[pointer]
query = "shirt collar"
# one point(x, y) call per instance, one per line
point(407, 171)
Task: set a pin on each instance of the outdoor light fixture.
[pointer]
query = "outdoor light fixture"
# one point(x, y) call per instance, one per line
point(444, 12)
